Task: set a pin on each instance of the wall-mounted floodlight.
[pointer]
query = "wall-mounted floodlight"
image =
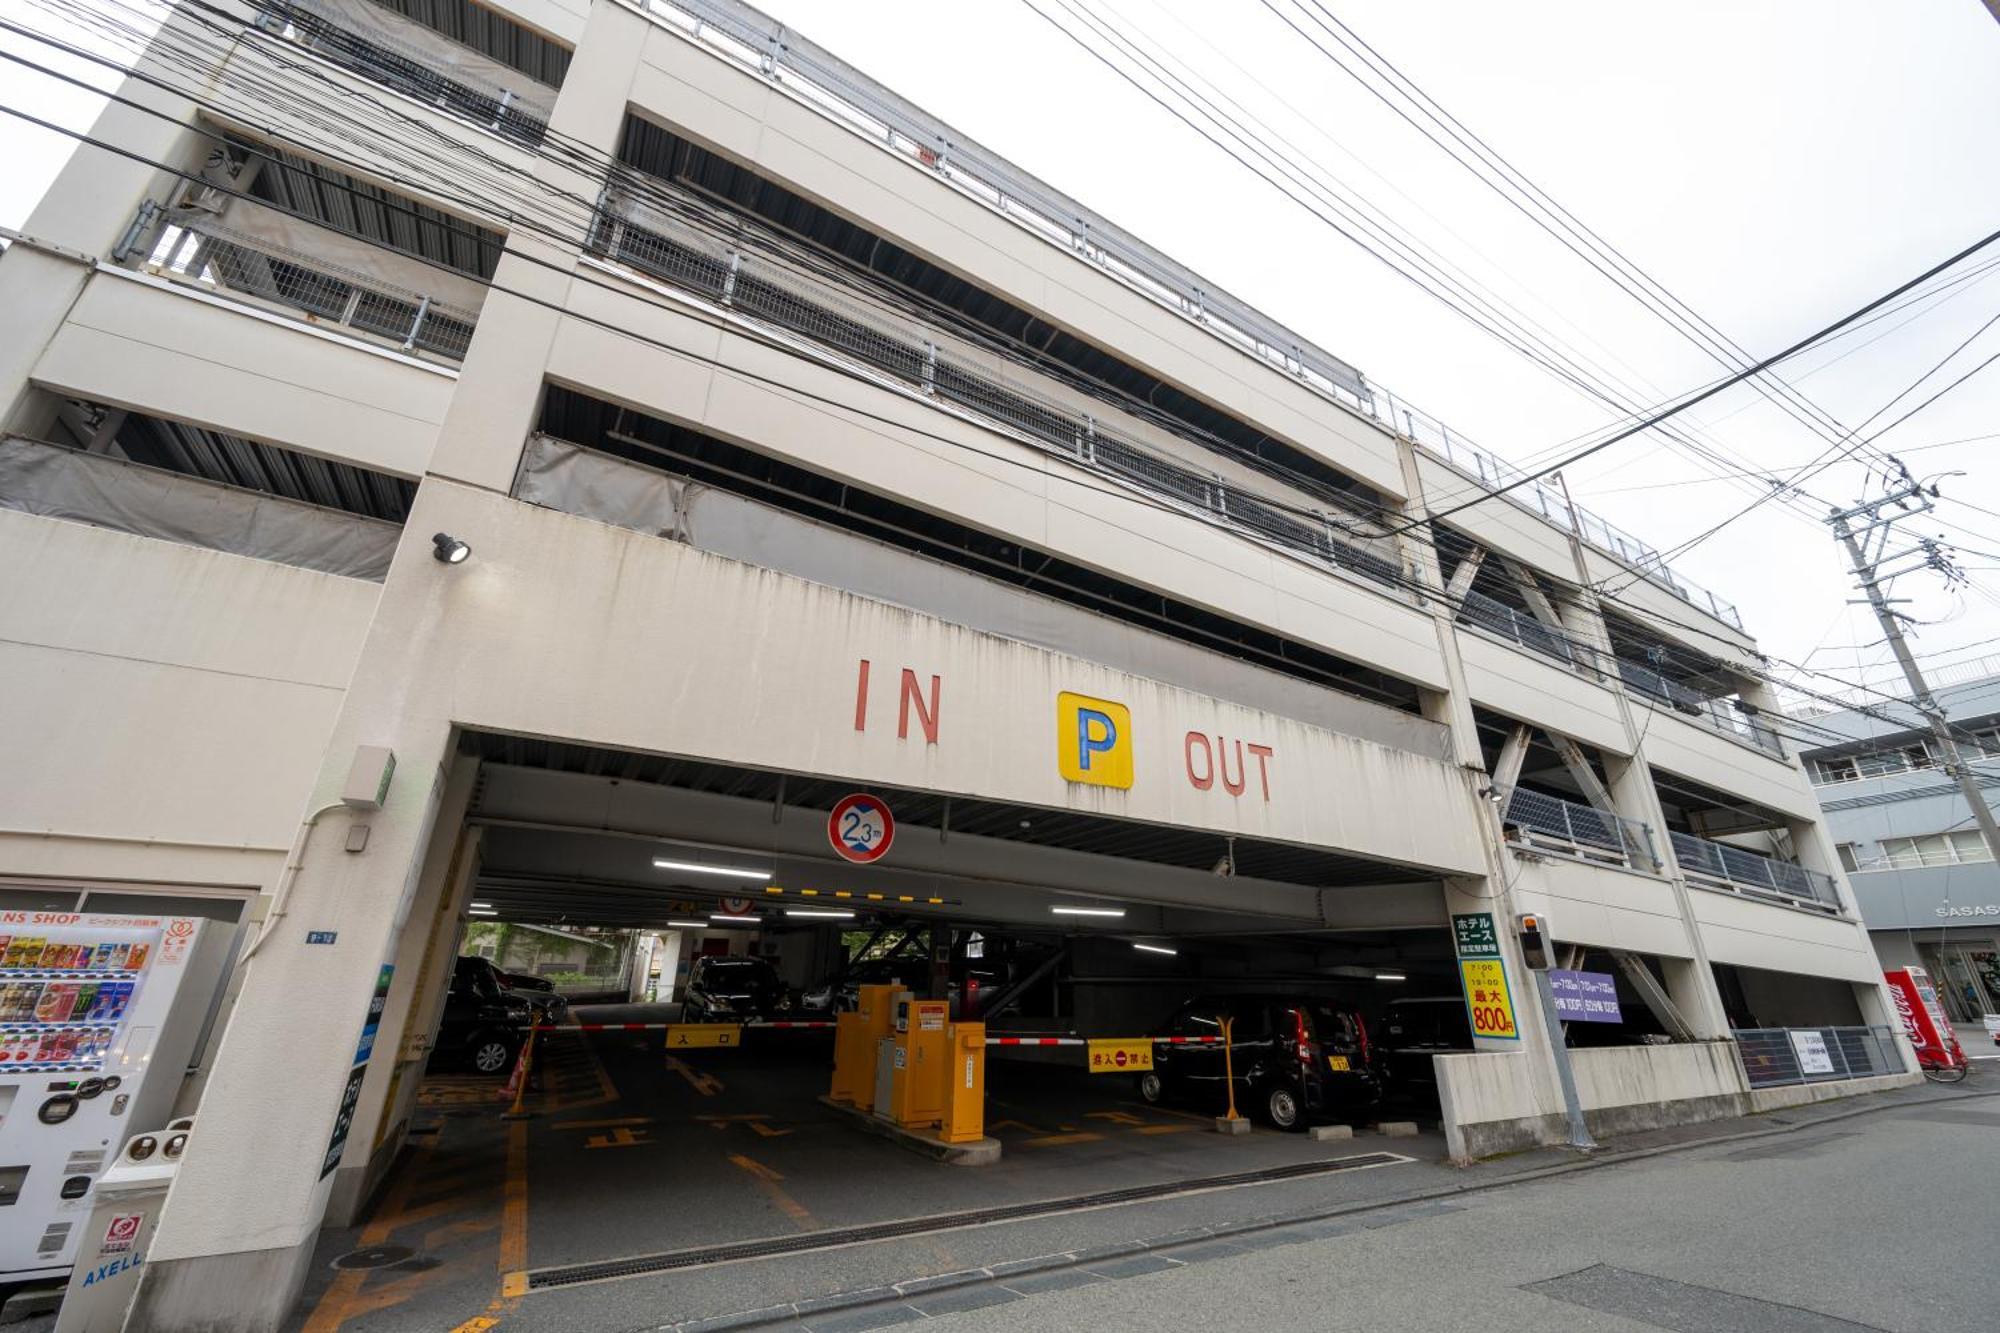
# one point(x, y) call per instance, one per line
point(449, 550)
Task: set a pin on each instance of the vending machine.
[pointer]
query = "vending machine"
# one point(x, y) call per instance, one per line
point(1923, 1019)
point(99, 1016)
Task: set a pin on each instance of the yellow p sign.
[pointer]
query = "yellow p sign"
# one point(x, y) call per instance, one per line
point(1093, 740)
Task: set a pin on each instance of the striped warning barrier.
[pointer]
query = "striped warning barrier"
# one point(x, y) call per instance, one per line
point(1085, 1041)
point(663, 1027)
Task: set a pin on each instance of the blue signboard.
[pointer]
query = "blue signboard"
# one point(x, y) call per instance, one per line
point(1585, 997)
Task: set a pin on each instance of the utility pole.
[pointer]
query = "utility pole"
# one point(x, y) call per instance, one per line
point(1865, 548)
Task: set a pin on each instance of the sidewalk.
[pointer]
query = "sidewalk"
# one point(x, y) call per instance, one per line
point(1429, 1189)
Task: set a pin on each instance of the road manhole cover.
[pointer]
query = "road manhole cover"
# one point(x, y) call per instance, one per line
point(375, 1256)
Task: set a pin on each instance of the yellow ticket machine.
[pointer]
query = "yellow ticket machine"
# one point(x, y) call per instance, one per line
point(919, 1055)
point(856, 1039)
point(965, 1084)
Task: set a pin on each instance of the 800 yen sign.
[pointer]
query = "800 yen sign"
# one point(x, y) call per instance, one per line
point(1487, 998)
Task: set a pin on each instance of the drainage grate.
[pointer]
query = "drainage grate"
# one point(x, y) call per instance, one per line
point(638, 1265)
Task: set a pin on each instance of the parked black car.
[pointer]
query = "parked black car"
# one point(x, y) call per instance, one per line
point(484, 1023)
point(724, 989)
point(539, 992)
point(1414, 1030)
point(1296, 1060)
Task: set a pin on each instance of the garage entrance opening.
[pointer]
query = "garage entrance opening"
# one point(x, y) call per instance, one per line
point(682, 939)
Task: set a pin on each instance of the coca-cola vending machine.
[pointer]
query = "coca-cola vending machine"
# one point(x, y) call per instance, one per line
point(1923, 1019)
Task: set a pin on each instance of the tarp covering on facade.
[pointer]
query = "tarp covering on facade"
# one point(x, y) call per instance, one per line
point(576, 480)
point(47, 479)
point(269, 229)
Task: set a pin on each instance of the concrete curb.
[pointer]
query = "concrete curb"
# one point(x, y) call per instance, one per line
point(1124, 1250)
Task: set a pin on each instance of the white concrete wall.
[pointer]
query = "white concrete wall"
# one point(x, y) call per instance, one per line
point(162, 695)
point(1783, 939)
point(1680, 745)
point(1530, 688)
point(773, 684)
point(763, 126)
point(146, 344)
point(984, 479)
point(1603, 907)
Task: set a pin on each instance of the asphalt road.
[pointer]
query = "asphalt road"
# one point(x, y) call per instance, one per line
point(1884, 1221)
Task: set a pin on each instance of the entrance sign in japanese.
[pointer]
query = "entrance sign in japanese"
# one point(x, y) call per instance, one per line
point(1111, 1056)
point(861, 828)
point(1585, 997)
point(688, 1036)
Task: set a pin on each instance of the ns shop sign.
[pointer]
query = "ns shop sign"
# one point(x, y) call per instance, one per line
point(1093, 739)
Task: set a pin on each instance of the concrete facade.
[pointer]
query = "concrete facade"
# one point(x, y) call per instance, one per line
point(184, 717)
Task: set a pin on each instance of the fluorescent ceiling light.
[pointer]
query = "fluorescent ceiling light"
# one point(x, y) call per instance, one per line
point(482, 904)
point(1156, 948)
point(1088, 911)
point(748, 920)
point(1390, 976)
point(481, 911)
point(691, 925)
point(734, 872)
point(816, 911)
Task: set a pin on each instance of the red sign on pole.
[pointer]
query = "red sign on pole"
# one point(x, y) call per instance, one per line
point(861, 828)
point(1923, 1019)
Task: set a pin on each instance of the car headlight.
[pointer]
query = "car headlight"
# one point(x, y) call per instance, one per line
point(784, 1002)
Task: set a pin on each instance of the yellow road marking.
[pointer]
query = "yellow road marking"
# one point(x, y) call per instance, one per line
point(1016, 1124)
point(617, 1138)
point(606, 1123)
point(766, 1131)
point(1167, 1129)
point(1057, 1140)
point(705, 1084)
point(438, 1237)
point(1116, 1117)
point(767, 1181)
point(337, 1303)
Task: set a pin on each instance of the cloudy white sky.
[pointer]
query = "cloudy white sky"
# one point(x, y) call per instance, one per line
point(1773, 164)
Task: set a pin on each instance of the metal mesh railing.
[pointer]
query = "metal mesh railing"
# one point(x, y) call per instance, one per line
point(520, 113)
point(1740, 869)
point(1719, 715)
point(1773, 1057)
point(1495, 616)
point(216, 258)
point(1549, 823)
point(938, 364)
point(750, 38)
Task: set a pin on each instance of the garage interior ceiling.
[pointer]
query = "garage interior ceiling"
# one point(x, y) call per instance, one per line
point(571, 830)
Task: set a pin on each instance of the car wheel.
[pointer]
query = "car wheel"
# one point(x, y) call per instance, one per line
point(1283, 1108)
point(491, 1054)
point(1152, 1090)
